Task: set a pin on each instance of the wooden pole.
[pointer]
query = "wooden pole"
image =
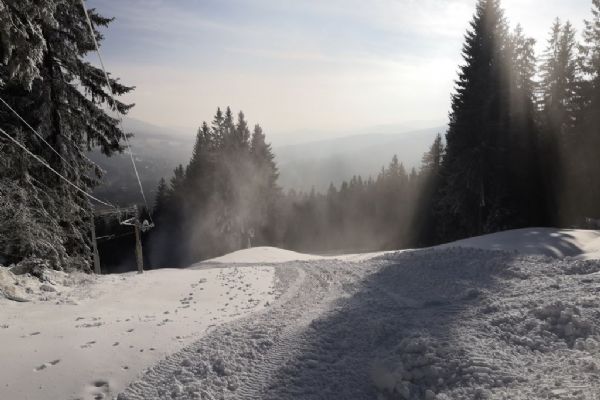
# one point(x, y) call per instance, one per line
point(97, 268)
point(139, 256)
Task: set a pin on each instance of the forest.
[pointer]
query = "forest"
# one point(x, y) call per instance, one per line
point(520, 151)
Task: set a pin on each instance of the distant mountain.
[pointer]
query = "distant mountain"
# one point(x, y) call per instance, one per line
point(302, 166)
point(317, 164)
point(157, 152)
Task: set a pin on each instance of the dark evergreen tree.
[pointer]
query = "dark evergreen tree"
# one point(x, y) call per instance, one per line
point(525, 196)
point(587, 165)
point(263, 219)
point(424, 222)
point(485, 133)
point(226, 197)
point(22, 41)
point(48, 81)
point(559, 87)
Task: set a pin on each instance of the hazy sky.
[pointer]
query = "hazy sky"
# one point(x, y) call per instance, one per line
point(298, 66)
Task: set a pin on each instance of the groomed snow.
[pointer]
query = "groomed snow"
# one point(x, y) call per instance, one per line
point(458, 321)
point(434, 324)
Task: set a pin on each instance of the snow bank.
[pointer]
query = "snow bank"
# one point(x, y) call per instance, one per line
point(581, 244)
point(274, 255)
point(266, 255)
point(87, 337)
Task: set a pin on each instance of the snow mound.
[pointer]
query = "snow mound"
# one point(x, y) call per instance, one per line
point(581, 244)
point(274, 255)
point(575, 243)
point(263, 255)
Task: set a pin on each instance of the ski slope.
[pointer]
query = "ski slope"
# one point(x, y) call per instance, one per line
point(514, 315)
point(90, 336)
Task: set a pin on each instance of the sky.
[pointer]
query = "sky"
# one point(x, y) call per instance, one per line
point(301, 68)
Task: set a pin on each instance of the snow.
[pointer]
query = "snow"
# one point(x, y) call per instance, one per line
point(581, 244)
point(274, 255)
point(92, 335)
point(449, 323)
point(576, 243)
point(514, 315)
point(266, 255)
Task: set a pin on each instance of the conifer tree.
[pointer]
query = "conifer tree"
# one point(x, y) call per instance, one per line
point(162, 198)
point(471, 193)
point(424, 221)
point(522, 167)
point(48, 81)
point(559, 108)
point(588, 167)
point(22, 42)
point(267, 211)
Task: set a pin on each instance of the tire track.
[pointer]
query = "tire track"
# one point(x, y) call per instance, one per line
point(237, 360)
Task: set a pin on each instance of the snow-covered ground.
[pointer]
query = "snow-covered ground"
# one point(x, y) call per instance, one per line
point(580, 244)
point(274, 255)
point(515, 315)
point(85, 337)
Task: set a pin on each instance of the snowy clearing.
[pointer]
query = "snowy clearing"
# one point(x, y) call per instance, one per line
point(448, 324)
point(453, 322)
point(86, 337)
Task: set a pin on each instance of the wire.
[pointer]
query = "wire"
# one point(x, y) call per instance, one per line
point(45, 164)
point(44, 140)
point(37, 134)
point(112, 95)
point(111, 237)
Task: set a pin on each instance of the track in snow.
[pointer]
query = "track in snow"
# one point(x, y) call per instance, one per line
point(445, 324)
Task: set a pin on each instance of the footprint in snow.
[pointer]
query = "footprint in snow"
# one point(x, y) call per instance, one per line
point(46, 365)
point(100, 390)
point(88, 344)
point(130, 330)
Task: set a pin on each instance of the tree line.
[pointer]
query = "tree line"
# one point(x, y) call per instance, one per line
point(227, 198)
point(521, 148)
point(520, 151)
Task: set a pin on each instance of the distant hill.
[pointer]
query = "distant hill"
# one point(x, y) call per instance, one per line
point(317, 164)
point(157, 152)
point(302, 166)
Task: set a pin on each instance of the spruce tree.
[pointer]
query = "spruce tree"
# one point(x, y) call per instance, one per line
point(425, 217)
point(524, 196)
point(22, 41)
point(558, 114)
point(476, 129)
point(266, 202)
point(589, 124)
point(64, 98)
